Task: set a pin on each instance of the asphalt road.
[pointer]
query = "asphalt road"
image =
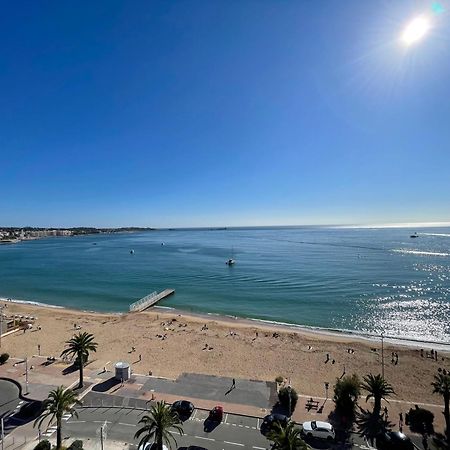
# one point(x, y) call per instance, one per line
point(233, 433)
point(9, 397)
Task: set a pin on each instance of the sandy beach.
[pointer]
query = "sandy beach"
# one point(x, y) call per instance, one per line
point(170, 343)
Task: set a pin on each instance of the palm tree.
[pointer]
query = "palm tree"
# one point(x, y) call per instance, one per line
point(286, 438)
point(441, 385)
point(157, 425)
point(371, 424)
point(378, 388)
point(58, 402)
point(80, 345)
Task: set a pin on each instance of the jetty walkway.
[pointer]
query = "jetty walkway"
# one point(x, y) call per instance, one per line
point(150, 300)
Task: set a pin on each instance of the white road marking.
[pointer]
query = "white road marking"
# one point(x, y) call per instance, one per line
point(101, 421)
point(234, 443)
point(226, 417)
point(205, 438)
point(257, 423)
point(127, 424)
point(195, 412)
point(259, 448)
point(77, 421)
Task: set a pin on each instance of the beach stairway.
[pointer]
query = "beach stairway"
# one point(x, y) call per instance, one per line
point(150, 300)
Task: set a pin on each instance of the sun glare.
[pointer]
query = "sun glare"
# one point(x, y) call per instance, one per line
point(416, 30)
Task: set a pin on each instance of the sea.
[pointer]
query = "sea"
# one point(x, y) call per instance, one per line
point(366, 281)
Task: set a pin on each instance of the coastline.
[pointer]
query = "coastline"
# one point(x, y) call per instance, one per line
point(169, 343)
point(338, 334)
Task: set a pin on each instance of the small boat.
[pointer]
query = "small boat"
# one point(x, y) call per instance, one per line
point(132, 251)
point(415, 235)
point(231, 261)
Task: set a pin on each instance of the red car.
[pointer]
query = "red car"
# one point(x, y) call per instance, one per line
point(216, 414)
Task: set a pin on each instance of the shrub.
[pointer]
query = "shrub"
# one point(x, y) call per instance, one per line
point(43, 445)
point(279, 379)
point(3, 358)
point(288, 398)
point(76, 445)
point(421, 420)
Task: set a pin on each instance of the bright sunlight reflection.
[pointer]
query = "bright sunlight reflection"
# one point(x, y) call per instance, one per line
point(416, 30)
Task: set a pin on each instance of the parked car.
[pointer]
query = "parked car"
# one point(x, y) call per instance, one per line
point(216, 414)
point(150, 446)
point(183, 408)
point(268, 422)
point(394, 440)
point(318, 429)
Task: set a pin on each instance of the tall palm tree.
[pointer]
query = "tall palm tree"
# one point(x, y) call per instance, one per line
point(80, 345)
point(378, 388)
point(58, 402)
point(371, 424)
point(286, 438)
point(157, 425)
point(441, 385)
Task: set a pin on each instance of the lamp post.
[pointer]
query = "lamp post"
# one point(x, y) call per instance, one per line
point(327, 385)
point(26, 375)
point(289, 390)
point(1, 326)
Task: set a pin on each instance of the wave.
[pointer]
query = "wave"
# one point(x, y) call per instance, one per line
point(419, 252)
point(29, 302)
point(436, 234)
point(353, 333)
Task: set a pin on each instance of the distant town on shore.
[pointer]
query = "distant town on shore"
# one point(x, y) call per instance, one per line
point(11, 235)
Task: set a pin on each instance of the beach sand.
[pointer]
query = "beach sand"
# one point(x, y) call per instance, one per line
point(228, 347)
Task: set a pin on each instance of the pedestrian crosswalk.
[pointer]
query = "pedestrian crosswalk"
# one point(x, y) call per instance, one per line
point(52, 429)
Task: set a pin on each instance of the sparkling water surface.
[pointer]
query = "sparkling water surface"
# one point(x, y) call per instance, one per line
point(366, 280)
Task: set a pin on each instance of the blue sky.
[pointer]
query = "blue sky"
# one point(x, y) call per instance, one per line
point(220, 113)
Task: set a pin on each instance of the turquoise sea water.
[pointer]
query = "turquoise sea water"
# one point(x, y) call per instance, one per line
point(368, 280)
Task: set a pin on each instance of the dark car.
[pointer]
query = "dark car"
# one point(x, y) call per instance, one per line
point(183, 408)
point(268, 422)
point(216, 414)
point(394, 440)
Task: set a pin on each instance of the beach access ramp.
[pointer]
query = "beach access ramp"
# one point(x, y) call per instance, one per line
point(150, 300)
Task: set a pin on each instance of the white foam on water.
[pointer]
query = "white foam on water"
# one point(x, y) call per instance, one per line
point(419, 252)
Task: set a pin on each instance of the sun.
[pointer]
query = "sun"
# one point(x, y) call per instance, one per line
point(415, 30)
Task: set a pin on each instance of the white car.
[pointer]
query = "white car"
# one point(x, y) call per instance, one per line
point(318, 429)
point(150, 446)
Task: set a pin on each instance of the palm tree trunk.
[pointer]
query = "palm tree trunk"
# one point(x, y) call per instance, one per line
point(80, 359)
point(377, 406)
point(159, 440)
point(58, 433)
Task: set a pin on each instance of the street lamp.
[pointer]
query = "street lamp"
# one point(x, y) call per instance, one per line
point(289, 390)
point(1, 324)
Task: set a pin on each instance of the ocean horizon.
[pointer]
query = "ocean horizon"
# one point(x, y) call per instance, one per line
point(364, 280)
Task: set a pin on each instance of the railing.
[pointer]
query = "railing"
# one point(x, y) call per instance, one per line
point(136, 306)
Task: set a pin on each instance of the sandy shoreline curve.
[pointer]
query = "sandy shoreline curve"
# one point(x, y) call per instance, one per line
point(332, 332)
point(169, 343)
